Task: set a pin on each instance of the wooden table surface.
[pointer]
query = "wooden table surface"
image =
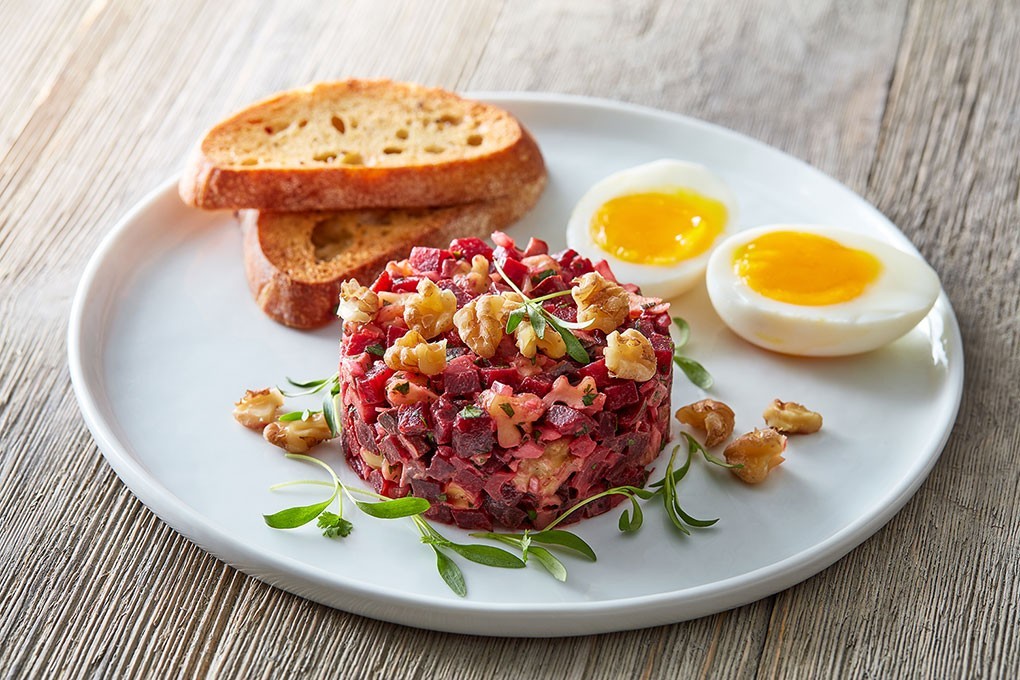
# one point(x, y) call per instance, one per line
point(913, 104)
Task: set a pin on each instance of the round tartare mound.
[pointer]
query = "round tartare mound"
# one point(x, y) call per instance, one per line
point(452, 392)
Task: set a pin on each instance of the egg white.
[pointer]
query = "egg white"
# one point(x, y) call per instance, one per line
point(901, 296)
point(664, 281)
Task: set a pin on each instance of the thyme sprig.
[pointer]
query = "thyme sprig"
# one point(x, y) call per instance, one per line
point(531, 309)
point(694, 371)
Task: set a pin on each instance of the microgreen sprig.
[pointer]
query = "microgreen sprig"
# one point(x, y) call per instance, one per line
point(694, 371)
point(540, 318)
point(330, 401)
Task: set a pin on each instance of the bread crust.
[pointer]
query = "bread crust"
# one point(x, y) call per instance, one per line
point(292, 289)
point(211, 184)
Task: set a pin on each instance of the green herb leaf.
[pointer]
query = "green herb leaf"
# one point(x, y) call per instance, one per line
point(471, 411)
point(312, 386)
point(507, 409)
point(537, 317)
point(692, 521)
point(376, 349)
point(564, 539)
point(550, 562)
point(574, 348)
point(292, 416)
point(329, 413)
point(694, 371)
point(291, 518)
point(334, 526)
point(399, 507)
point(403, 387)
point(683, 332)
point(589, 398)
point(310, 383)
point(451, 573)
point(488, 555)
point(515, 318)
point(632, 522)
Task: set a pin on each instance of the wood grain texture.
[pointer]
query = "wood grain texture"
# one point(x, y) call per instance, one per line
point(915, 105)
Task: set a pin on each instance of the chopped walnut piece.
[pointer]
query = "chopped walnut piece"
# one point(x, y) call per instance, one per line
point(430, 310)
point(297, 436)
point(411, 352)
point(480, 324)
point(258, 408)
point(758, 452)
point(357, 303)
point(399, 268)
point(792, 418)
point(528, 342)
point(604, 303)
point(712, 417)
point(476, 279)
point(629, 355)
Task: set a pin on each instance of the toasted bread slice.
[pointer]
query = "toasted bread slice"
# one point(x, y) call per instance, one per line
point(295, 262)
point(361, 144)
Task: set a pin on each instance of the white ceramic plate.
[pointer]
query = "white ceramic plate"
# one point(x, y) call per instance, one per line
point(164, 337)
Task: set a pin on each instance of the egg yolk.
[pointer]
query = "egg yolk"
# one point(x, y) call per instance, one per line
point(658, 227)
point(805, 269)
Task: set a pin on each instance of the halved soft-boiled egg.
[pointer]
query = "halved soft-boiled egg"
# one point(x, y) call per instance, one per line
point(818, 291)
point(656, 224)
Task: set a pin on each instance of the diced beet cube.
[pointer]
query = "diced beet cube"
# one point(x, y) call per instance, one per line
point(443, 411)
point(424, 488)
point(598, 371)
point(357, 342)
point(449, 268)
point(507, 376)
point(471, 519)
point(406, 284)
point(383, 282)
point(582, 446)
point(413, 419)
point(618, 396)
point(387, 420)
point(578, 266)
point(366, 436)
point(469, 247)
point(461, 377)
point(515, 271)
point(470, 480)
point(536, 246)
point(416, 446)
point(440, 513)
point(568, 421)
point(663, 346)
point(605, 424)
point(372, 387)
point(505, 515)
point(631, 417)
point(564, 257)
point(393, 449)
point(441, 468)
point(462, 295)
point(394, 333)
point(602, 267)
point(499, 487)
point(428, 259)
point(645, 327)
point(561, 308)
point(549, 285)
point(539, 384)
point(472, 436)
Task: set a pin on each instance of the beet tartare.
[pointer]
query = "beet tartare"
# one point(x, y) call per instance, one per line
point(455, 389)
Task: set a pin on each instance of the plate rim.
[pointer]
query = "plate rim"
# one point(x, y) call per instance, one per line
point(497, 618)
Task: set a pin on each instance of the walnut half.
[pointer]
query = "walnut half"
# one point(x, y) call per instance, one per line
point(792, 418)
point(629, 355)
point(297, 436)
point(358, 304)
point(604, 303)
point(258, 408)
point(712, 417)
point(430, 310)
point(480, 324)
point(411, 352)
point(758, 452)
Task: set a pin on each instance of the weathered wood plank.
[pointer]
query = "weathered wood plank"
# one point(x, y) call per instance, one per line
point(918, 109)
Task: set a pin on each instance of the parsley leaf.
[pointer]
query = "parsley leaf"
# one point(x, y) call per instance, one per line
point(333, 525)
